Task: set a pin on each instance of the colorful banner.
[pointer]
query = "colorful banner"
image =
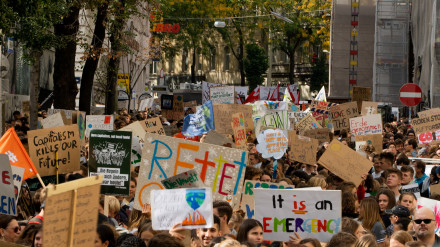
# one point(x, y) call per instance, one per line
point(200, 122)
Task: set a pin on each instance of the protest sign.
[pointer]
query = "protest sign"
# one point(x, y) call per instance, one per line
point(294, 108)
point(173, 110)
point(137, 139)
point(70, 216)
point(321, 106)
point(427, 137)
point(295, 117)
point(44, 144)
point(52, 121)
point(302, 149)
point(178, 103)
point(146, 104)
point(9, 244)
point(80, 118)
point(434, 189)
point(153, 125)
point(307, 123)
point(223, 114)
point(192, 207)
point(188, 179)
point(248, 199)
point(272, 143)
point(315, 215)
point(67, 115)
point(369, 107)
point(375, 140)
point(17, 177)
point(190, 104)
point(166, 102)
point(7, 194)
point(213, 137)
point(266, 93)
point(98, 122)
point(270, 114)
point(366, 125)
point(341, 114)
point(361, 94)
point(220, 168)
point(110, 156)
point(137, 129)
point(205, 90)
point(322, 135)
point(353, 167)
point(413, 188)
point(429, 112)
point(239, 130)
point(224, 94)
point(429, 123)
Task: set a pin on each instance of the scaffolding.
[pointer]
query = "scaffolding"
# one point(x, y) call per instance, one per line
point(390, 70)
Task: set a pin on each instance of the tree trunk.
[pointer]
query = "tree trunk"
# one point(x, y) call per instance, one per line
point(241, 56)
point(193, 65)
point(292, 68)
point(85, 96)
point(65, 88)
point(34, 90)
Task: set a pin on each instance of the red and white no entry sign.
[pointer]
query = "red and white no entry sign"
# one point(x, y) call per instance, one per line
point(410, 94)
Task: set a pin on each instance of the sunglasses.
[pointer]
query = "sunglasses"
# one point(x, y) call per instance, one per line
point(16, 229)
point(426, 221)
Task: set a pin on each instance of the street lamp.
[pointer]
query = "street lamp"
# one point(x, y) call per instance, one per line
point(220, 24)
point(281, 17)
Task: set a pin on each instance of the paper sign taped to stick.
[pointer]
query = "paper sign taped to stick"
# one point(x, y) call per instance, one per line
point(322, 135)
point(45, 143)
point(223, 114)
point(98, 122)
point(307, 123)
point(188, 179)
point(192, 207)
point(375, 140)
point(369, 107)
point(224, 94)
point(110, 156)
point(366, 125)
point(248, 198)
point(302, 149)
point(341, 114)
point(7, 194)
point(345, 162)
point(213, 137)
point(311, 215)
point(70, 216)
point(52, 121)
point(272, 143)
point(220, 168)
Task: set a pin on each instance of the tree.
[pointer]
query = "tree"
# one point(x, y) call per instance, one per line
point(319, 77)
point(255, 65)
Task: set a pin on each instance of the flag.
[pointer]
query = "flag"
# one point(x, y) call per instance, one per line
point(200, 122)
point(321, 95)
point(254, 96)
point(238, 99)
point(291, 94)
point(275, 96)
point(11, 145)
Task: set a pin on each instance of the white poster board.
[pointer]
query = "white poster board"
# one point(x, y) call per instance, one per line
point(366, 125)
point(224, 95)
point(99, 122)
point(54, 120)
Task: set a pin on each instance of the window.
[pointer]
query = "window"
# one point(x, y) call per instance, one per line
point(227, 59)
point(171, 65)
point(212, 59)
point(184, 61)
point(153, 67)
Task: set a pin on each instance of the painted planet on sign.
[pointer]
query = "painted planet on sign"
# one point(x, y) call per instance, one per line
point(294, 108)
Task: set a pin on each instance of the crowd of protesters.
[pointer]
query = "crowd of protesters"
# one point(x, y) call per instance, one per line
point(376, 213)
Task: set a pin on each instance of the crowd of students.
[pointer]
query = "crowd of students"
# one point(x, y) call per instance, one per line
point(376, 213)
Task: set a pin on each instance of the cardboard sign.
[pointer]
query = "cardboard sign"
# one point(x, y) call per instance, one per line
point(7, 194)
point(353, 165)
point(67, 115)
point(342, 113)
point(223, 114)
point(322, 135)
point(205, 90)
point(366, 125)
point(314, 214)
point(52, 121)
point(302, 149)
point(137, 129)
point(98, 122)
point(225, 95)
point(248, 198)
point(45, 143)
point(110, 156)
point(321, 106)
point(191, 207)
point(239, 130)
point(153, 125)
point(17, 177)
point(434, 189)
point(272, 143)
point(369, 107)
point(429, 123)
point(213, 137)
point(220, 168)
point(178, 103)
point(295, 117)
point(190, 104)
point(375, 140)
point(188, 179)
point(361, 94)
point(307, 123)
point(68, 217)
point(429, 112)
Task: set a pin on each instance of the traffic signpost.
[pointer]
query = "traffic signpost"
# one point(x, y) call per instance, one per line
point(410, 95)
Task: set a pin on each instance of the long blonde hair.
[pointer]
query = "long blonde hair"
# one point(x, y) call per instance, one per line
point(369, 213)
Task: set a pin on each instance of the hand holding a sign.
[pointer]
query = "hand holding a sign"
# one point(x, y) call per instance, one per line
point(174, 231)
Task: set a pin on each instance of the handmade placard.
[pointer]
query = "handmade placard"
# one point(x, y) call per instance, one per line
point(191, 207)
point(188, 179)
point(283, 213)
point(321, 106)
point(220, 168)
point(153, 125)
point(353, 166)
point(54, 120)
point(341, 114)
point(307, 123)
point(375, 140)
point(361, 94)
point(110, 156)
point(7, 194)
point(225, 95)
point(213, 137)
point(70, 213)
point(223, 114)
point(239, 130)
point(369, 107)
point(272, 143)
point(322, 135)
point(366, 125)
point(302, 149)
point(166, 102)
point(248, 199)
point(17, 177)
point(98, 122)
point(428, 123)
point(45, 143)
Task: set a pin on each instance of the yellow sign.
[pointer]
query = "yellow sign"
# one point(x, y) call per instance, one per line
point(124, 81)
